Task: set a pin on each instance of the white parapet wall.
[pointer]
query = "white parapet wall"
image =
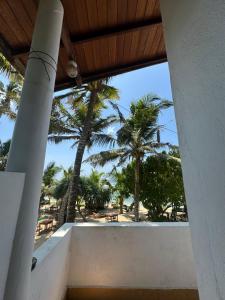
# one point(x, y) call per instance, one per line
point(122, 255)
point(11, 189)
point(49, 279)
point(144, 255)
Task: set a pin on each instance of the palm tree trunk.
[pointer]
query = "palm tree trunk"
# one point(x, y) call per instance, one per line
point(75, 183)
point(137, 189)
point(121, 204)
point(63, 208)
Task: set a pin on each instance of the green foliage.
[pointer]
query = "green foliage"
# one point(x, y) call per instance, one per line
point(62, 185)
point(137, 136)
point(4, 150)
point(68, 117)
point(8, 69)
point(80, 120)
point(49, 181)
point(93, 191)
point(9, 98)
point(138, 132)
point(120, 184)
point(161, 184)
point(49, 173)
point(11, 92)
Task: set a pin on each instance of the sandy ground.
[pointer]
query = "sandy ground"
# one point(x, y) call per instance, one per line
point(125, 217)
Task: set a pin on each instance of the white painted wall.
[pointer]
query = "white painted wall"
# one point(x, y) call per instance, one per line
point(49, 278)
point(194, 34)
point(149, 255)
point(11, 188)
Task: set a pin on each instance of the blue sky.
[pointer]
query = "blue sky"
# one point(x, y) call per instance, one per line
point(132, 86)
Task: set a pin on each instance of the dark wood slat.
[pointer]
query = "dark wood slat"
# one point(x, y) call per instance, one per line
point(134, 44)
point(141, 9)
point(108, 32)
point(151, 9)
point(22, 18)
point(131, 10)
point(70, 16)
point(93, 20)
point(82, 16)
point(151, 40)
point(154, 41)
point(31, 9)
point(116, 70)
point(101, 45)
point(12, 22)
point(126, 47)
point(112, 21)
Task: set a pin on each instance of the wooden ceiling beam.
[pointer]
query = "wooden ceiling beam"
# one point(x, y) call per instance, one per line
point(115, 31)
point(65, 37)
point(112, 71)
point(70, 41)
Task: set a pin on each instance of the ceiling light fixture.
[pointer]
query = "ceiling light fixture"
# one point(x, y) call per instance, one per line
point(72, 69)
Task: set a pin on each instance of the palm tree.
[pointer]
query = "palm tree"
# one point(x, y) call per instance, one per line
point(85, 127)
point(4, 150)
point(9, 70)
point(48, 180)
point(9, 98)
point(120, 188)
point(11, 92)
point(95, 191)
point(60, 191)
point(138, 136)
point(5, 66)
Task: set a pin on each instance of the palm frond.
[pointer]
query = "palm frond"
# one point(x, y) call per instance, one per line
point(108, 92)
point(101, 139)
point(65, 96)
point(5, 66)
point(164, 104)
point(116, 108)
point(103, 123)
point(60, 138)
point(105, 157)
point(167, 156)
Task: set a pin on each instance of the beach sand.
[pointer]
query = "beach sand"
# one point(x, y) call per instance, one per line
point(125, 217)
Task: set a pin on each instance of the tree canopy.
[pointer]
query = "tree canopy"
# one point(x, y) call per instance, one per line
point(161, 184)
point(137, 136)
point(4, 151)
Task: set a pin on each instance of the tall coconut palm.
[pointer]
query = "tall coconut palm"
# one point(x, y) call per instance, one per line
point(60, 193)
point(90, 129)
point(120, 187)
point(138, 136)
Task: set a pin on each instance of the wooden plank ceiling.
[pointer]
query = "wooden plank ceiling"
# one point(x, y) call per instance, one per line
point(107, 37)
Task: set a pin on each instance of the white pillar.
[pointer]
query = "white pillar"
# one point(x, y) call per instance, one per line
point(27, 152)
point(195, 42)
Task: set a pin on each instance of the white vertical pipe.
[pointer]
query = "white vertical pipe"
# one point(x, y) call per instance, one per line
point(194, 33)
point(27, 152)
